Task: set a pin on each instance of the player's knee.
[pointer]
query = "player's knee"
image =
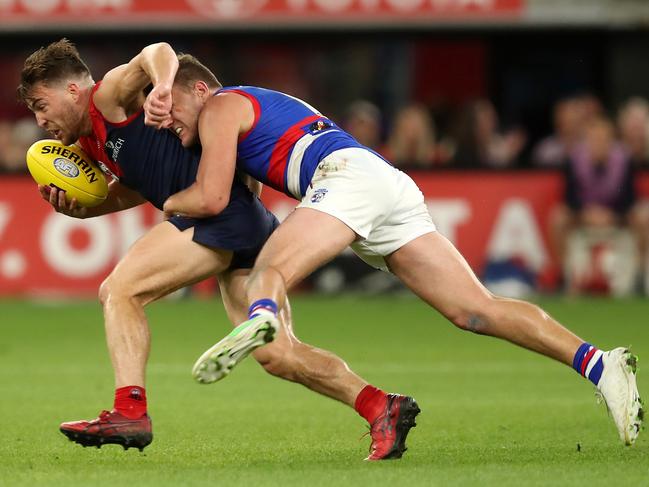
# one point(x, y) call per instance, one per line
point(115, 290)
point(476, 319)
point(479, 317)
point(468, 321)
point(105, 292)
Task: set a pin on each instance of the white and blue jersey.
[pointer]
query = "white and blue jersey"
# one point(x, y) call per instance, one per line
point(287, 140)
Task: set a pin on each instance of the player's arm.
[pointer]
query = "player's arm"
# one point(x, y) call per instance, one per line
point(223, 118)
point(119, 198)
point(122, 89)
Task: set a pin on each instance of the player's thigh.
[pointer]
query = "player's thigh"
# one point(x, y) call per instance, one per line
point(163, 260)
point(303, 242)
point(434, 270)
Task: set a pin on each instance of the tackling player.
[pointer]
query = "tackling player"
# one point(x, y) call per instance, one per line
point(107, 118)
point(350, 196)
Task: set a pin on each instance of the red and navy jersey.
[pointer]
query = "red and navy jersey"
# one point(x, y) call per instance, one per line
point(155, 164)
point(287, 140)
point(149, 161)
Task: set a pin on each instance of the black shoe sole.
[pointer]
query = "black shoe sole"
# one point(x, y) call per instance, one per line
point(139, 441)
point(406, 420)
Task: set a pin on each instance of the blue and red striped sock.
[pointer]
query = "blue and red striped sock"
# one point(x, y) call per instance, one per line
point(588, 362)
point(262, 307)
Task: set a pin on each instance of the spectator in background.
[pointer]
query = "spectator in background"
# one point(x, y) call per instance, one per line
point(481, 144)
point(363, 121)
point(599, 189)
point(633, 127)
point(6, 136)
point(568, 122)
point(15, 139)
point(411, 143)
point(591, 106)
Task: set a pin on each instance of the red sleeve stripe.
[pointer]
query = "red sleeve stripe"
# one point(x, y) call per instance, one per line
point(255, 106)
point(279, 157)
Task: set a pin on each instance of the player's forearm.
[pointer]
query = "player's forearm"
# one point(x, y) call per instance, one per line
point(160, 63)
point(192, 202)
point(112, 206)
point(106, 208)
point(119, 198)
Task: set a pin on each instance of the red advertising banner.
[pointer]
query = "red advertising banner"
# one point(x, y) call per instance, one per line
point(45, 253)
point(183, 13)
point(487, 215)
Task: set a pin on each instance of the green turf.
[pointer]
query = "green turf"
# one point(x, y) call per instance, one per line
point(492, 414)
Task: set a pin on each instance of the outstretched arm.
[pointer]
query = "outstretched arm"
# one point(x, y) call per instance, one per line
point(233, 115)
point(122, 90)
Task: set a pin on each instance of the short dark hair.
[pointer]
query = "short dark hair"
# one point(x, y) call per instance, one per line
point(51, 64)
point(191, 70)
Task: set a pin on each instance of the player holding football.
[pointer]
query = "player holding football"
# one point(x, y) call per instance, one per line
point(146, 164)
point(350, 196)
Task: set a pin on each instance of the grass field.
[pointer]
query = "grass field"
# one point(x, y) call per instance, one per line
point(492, 414)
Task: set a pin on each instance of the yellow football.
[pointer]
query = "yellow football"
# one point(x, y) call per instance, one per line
point(68, 168)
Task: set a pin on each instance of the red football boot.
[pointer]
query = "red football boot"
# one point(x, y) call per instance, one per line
point(110, 427)
point(390, 429)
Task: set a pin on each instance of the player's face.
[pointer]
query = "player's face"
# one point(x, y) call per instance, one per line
point(184, 112)
point(56, 111)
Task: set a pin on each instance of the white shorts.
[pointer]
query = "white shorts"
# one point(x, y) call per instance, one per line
point(381, 204)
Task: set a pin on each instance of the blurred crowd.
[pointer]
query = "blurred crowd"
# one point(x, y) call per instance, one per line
point(474, 137)
point(599, 233)
point(598, 153)
point(471, 137)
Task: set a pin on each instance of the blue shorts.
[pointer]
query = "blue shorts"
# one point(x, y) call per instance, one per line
point(243, 227)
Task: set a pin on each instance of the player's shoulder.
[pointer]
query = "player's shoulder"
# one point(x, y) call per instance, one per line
point(231, 100)
point(250, 91)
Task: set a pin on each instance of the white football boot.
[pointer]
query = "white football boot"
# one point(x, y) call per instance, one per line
point(618, 388)
point(220, 359)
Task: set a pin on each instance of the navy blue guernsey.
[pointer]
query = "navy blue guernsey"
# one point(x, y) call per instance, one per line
point(154, 162)
point(156, 165)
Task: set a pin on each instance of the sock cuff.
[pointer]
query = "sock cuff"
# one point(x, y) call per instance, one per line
point(137, 393)
point(366, 393)
point(370, 403)
point(130, 401)
point(262, 304)
point(588, 362)
point(581, 353)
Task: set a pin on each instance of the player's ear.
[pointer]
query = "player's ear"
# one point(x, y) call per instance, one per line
point(74, 90)
point(201, 90)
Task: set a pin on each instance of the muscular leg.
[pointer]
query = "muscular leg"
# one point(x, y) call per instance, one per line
point(430, 266)
point(288, 256)
point(434, 270)
point(287, 357)
point(150, 270)
point(284, 261)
